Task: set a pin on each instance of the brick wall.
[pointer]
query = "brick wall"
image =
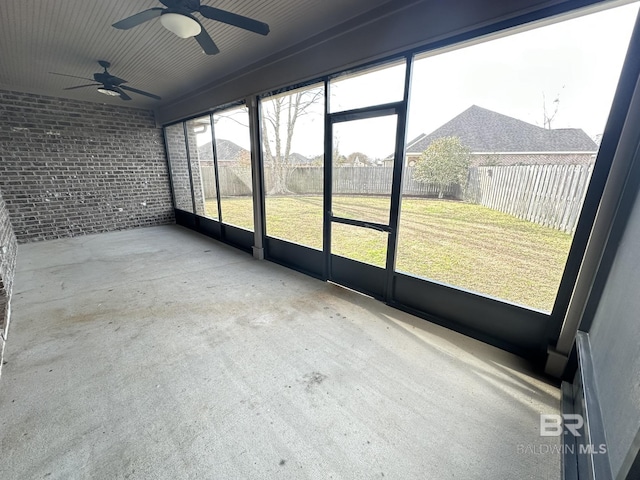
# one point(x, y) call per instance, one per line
point(482, 159)
point(8, 253)
point(490, 159)
point(70, 168)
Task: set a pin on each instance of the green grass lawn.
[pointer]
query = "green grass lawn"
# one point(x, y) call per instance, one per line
point(461, 244)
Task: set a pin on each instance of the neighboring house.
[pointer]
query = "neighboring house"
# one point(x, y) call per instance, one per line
point(298, 159)
point(294, 160)
point(227, 153)
point(358, 159)
point(496, 139)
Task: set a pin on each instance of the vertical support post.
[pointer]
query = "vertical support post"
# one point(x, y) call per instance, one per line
point(169, 170)
point(328, 175)
point(396, 185)
point(186, 149)
point(256, 178)
point(215, 167)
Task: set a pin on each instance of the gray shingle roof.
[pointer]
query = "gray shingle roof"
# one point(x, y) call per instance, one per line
point(483, 130)
point(226, 151)
point(298, 158)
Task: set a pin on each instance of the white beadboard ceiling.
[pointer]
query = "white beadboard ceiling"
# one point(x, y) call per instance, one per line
point(70, 36)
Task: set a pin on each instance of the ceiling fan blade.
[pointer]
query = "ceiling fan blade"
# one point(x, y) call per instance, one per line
point(82, 86)
point(123, 95)
point(139, 92)
point(138, 18)
point(106, 77)
point(72, 76)
point(206, 42)
point(116, 80)
point(234, 19)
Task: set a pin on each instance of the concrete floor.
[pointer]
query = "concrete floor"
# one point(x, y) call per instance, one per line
point(160, 354)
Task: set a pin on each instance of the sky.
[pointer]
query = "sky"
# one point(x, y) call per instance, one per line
point(577, 62)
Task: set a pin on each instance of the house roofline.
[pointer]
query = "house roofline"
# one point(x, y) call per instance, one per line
point(577, 152)
point(551, 152)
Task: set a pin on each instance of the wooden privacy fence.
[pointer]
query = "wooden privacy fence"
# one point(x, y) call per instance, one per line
point(377, 181)
point(234, 181)
point(550, 195)
point(309, 181)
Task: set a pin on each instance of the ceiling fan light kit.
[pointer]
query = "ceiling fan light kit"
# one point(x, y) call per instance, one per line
point(178, 18)
point(108, 91)
point(108, 84)
point(181, 25)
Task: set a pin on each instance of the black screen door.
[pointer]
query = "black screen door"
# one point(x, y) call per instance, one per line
point(359, 247)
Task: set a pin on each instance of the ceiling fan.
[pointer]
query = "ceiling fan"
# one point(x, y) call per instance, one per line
point(178, 18)
point(109, 84)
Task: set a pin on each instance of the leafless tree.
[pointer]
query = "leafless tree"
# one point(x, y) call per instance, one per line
point(548, 117)
point(279, 117)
